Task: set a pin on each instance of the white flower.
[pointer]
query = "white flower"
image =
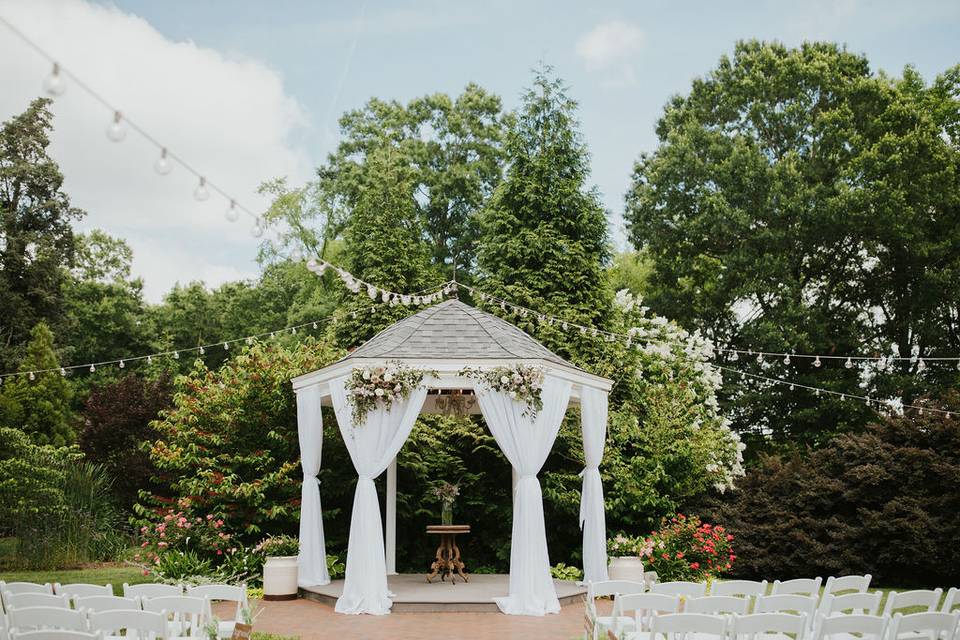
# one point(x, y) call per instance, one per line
point(388, 377)
point(379, 392)
point(366, 374)
point(504, 380)
point(517, 378)
point(513, 394)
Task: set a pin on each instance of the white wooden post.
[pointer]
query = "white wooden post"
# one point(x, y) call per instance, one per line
point(391, 537)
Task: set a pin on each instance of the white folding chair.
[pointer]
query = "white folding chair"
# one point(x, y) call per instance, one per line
point(146, 624)
point(643, 606)
point(803, 605)
point(17, 588)
point(842, 584)
point(35, 618)
point(151, 590)
point(867, 604)
point(106, 603)
point(3, 625)
point(798, 586)
point(717, 605)
point(928, 625)
point(952, 600)
point(929, 599)
point(55, 634)
point(681, 588)
point(236, 593)
point(650, 578)
point(591, 630)
point(612, 588)
point(742, 588)
point(82, 590)
point(679, 626)
point(24, 600)
point(850, 627)
point(186, 615)
point(777, 625)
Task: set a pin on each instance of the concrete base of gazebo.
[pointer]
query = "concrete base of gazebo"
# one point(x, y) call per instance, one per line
point(414, 595)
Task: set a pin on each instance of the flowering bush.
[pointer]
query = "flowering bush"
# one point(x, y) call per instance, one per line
point(624, 545)
point(370, 386)
point(278, 546)
point(179, 539)
point(520, 382)
point(686, 549)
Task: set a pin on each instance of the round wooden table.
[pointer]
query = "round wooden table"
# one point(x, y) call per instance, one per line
point(448, 561)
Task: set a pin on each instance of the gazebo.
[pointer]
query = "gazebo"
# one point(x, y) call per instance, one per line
point(446, 340)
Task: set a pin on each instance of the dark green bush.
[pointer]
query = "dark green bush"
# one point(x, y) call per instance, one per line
point(885, 501)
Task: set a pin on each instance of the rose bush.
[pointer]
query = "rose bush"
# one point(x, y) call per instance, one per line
point(684, 548)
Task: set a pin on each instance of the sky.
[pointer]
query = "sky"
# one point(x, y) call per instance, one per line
point(247, 91)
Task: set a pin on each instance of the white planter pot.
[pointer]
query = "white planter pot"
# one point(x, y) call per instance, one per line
point(280, 578)
point(626, 568)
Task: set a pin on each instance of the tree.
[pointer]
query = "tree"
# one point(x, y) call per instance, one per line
point(800, 202)
point(116, 421)
point(40, 407)
point(36, 240)
point(543, 234)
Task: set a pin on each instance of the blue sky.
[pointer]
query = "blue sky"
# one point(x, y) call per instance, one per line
point(622, 60)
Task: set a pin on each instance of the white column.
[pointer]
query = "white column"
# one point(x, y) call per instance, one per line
point(391, 537)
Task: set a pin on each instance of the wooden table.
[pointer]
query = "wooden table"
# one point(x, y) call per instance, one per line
point(448, 553)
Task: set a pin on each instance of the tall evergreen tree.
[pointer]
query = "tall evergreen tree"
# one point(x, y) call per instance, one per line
point(543, 235)
point(36, 240)
point(39, 407)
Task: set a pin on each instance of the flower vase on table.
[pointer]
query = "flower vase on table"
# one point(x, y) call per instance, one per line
point(446, 493)
point(446, 512)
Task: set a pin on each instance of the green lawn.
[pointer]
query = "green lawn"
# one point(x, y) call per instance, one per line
point(101, 574)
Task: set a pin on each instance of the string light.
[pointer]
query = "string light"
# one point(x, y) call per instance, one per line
point(786, 359)
point(201, 193)
point(122, 365)
point(53, 84)
point(816, 362)
point(232, 214)
point(116, 131)
point(848, 364)
point(257, 229)
point(162, 166)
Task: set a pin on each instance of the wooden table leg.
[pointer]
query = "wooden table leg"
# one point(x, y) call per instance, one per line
point(457, 564)
point(438, 563)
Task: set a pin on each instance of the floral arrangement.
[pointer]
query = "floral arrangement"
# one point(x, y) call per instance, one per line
point(446, 492)
point(622, 545)
point(520, 382)
point(684, 548)
point(278, 546)
point(370, 386)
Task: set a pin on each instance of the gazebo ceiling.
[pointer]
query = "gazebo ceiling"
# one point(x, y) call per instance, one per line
point(454, 330)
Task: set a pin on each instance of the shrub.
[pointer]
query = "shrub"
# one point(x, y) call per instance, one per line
point(882, 502)
point(561, 571)
point(278, 546)
point(686, 549)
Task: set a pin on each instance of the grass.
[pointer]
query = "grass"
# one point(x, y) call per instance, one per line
point(115, 574)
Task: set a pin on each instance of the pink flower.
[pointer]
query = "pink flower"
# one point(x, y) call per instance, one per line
point(209, 516)
point(694, 565)
point(220, 553)
point(161, 544)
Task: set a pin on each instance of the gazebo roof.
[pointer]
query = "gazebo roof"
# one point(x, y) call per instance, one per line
point(454, 330)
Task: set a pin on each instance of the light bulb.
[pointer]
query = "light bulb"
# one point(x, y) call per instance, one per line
point(162, 166)
point(921, 365)
point(818, 393)
point(735, 356)
point(817, 362)
point(232, 214)
point(786, 359)
point(202, 351)
point(201, 193)
point(116, 131)
point(257, 229)
point(53, 83)
point(63, 372)
point(176, 355)
point(122, 365)
point(92, 368)
point(848, 364)
point(226, 346)
point(149, 359)
point(314, 325)
point(958, 365)
point(759, 358)
point(791, 387)
point(32, 376)
point(293, 330)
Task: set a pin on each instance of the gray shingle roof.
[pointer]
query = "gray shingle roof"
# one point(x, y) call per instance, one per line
point(452, 330)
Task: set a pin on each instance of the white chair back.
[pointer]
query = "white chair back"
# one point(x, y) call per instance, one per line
point(650, 578)
point(187, 614)
point(25, 587)
point(55, 634)
point(798, 586)
point(147, 624)
point(930, 625)
point(681, 588)
point(952, 600)
point(151, 590)
point(867, 604)
point(806, 605)
point(613, 587)
point(776, 624)
point(929, 599)
point(847, 583)
point(844, 627)
point(644, 607)
point(106, 603)
point(231, 593)
point(82, 590)
point(24, 600)
point(717, 605)
point(678, 625)
point(739, 588)
point(33, 618)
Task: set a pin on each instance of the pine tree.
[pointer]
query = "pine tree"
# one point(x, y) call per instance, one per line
point(39, 407)
point(385, 246)
point(543, 235)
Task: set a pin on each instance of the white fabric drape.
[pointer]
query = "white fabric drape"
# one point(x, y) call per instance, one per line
point(312, 561)
point(372, 445)
point(526, 442)
point(593, 423)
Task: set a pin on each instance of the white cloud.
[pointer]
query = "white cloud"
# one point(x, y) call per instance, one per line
point(229, 117)
point(610, 44)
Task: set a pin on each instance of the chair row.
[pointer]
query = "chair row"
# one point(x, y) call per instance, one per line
point(743, 588)
point(146, 590)
point(679, 626)
point(35, 622)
